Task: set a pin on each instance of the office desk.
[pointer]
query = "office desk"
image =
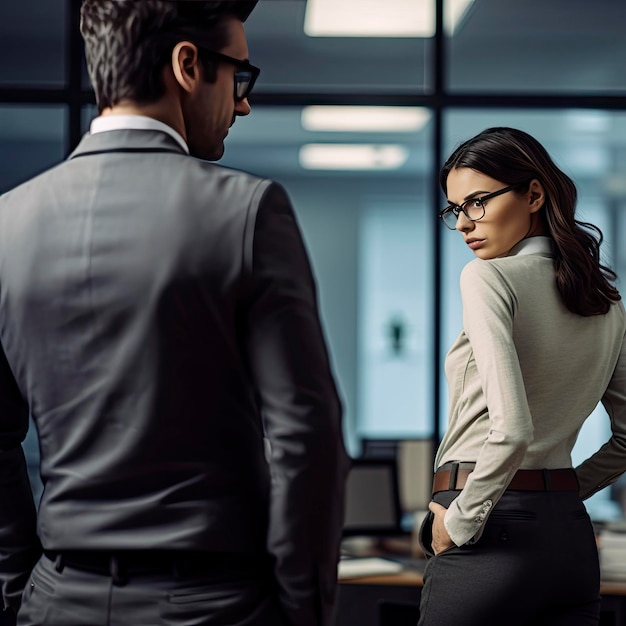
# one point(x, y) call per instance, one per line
point(360, 598)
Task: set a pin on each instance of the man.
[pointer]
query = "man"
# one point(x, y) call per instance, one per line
point(158, 318)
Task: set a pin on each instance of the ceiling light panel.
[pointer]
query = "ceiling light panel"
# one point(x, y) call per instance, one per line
point(380, 18)
point(353, 156)
point(364, 119)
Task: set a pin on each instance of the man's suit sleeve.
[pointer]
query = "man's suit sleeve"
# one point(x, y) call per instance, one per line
point(302, 415)
point(19, 545)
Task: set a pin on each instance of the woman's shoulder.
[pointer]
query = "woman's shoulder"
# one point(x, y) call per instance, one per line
point(508, 276)
point(505, 267)
point(482, 276)
point(481, 269)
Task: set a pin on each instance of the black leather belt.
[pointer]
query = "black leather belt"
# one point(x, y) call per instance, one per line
point(124, 564)
point(453, 476)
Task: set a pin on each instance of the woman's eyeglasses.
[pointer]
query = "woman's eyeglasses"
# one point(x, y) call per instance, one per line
point(473, 209)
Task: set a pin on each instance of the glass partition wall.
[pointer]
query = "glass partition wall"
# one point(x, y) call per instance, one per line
point(354, 113)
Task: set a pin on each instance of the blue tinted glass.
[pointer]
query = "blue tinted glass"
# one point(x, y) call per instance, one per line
point(32, 42)
point(339, 64)
point(32, 138)
point(556, 62)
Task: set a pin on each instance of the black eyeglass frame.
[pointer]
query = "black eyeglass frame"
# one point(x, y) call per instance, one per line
point(246, 73)
point(455, 209)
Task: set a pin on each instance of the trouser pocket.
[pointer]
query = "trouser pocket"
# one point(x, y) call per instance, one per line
point(425, 535)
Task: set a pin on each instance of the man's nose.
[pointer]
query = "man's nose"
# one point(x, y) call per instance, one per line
point(242, 107)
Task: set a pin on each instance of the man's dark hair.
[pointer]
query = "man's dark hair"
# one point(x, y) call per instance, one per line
point(128, 42)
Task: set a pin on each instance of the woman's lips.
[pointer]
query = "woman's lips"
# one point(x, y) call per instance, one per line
point(475, 243)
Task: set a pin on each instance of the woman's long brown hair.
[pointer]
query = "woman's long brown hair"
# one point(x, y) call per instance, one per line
point(513, 157)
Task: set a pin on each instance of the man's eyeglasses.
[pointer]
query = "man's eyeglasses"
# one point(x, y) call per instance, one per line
point(245, 76)
point(473, 209)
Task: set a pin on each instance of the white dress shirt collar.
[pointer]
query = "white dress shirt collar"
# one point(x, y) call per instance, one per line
point(533, 245)
point(105, 123)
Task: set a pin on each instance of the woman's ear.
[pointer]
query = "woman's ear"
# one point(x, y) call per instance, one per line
point(186, 66)
point(536, 195)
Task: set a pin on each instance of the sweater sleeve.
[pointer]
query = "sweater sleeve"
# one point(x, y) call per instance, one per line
point(489, 306)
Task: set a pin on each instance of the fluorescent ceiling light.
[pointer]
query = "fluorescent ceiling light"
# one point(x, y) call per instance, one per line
point(583, 121)
point(454, 12)
point(318, 156)
point(364, 119)
point(380, 18)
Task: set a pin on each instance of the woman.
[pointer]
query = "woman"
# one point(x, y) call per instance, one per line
point(543, 342)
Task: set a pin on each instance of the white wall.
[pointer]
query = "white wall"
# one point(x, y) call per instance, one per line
point(329, 210)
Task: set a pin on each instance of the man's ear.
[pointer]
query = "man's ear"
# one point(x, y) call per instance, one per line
point(186, 65)
point(536, 195)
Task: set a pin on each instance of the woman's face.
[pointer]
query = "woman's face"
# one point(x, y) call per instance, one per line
point(508, 218)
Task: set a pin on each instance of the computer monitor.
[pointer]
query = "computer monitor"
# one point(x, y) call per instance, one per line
point(414, 459)
point(372, 499)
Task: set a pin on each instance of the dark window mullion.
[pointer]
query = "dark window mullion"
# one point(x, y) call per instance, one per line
point(74, 73)
point(437, 149)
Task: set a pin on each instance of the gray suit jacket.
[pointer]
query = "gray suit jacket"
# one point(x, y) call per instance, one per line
point(158, 316)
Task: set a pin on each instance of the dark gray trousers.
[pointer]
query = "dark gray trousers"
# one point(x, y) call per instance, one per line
point(536, 564)
point(78, 598)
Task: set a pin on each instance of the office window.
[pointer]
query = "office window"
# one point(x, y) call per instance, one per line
point(395, 313)
point(588, 146)
point(32, 138)
point(296, 62)
point(32, 42)
point(561, 46)
point(339, 207)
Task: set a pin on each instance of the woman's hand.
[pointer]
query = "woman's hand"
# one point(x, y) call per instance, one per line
point(441, 538)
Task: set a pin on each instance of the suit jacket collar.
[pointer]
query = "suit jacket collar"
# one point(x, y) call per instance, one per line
point(126, 140)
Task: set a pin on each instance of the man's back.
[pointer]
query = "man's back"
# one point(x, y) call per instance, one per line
point(150, 303)
point(124, 283)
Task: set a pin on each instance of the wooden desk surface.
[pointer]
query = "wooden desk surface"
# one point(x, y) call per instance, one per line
point(613, 587)
point(407, 577)
point(411, 577)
